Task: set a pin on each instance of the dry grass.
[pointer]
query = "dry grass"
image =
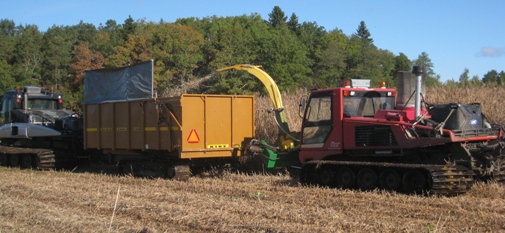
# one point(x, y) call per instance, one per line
point(51, 201)
point(32, 201)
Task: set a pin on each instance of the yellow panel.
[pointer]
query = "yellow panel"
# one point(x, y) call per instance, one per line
point(217, 146)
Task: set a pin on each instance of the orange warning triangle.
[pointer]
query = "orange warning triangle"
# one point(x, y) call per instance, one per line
point(193, 137)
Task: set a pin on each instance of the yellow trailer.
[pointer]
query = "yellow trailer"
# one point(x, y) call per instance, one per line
point(176, 131)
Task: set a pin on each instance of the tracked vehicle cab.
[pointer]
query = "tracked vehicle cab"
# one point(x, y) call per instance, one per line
point(32, 105)
point(328, 110)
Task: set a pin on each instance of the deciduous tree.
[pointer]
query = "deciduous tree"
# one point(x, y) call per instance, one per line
point(83, 59)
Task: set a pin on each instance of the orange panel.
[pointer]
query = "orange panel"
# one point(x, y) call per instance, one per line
point(218, 122)
point(213, 125)
point(242, 120)
point(193, 119)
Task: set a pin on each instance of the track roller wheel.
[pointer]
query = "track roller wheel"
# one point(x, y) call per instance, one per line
point(307, 176)
point(169, 171)
point(14, 160)
point(414, 181)
point(26, 161)
point(326, 177)
point(128, 168)
point(389, 179)
point(346, 178)
point(4, 160)
point(367, 179)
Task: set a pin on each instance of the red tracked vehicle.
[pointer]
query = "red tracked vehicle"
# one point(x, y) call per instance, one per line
point(355, 136)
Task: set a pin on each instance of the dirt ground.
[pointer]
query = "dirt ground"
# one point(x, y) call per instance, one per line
point(55, 201)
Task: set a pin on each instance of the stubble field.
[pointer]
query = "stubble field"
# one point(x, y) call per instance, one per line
point(50, 201)
point(93, 199)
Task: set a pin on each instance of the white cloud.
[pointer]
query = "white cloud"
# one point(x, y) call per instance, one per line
point(491, 52)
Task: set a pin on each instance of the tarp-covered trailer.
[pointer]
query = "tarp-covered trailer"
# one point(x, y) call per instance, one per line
point(168, 136)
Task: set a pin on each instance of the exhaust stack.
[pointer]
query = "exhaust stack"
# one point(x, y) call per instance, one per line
point(418, 71)
point(25, 100)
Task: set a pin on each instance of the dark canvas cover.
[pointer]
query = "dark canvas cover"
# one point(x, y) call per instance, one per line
point(119, 84)
point(464, 116)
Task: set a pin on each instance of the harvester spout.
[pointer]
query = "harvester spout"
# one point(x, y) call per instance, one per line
point(274, 94)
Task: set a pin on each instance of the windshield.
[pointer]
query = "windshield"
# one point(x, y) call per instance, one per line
point(42, 104)
point(367, 103)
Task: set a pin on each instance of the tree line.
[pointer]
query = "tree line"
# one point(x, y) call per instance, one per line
point(295, 54)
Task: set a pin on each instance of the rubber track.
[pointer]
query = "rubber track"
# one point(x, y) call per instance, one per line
point(499, 173)
point(46, 158)
point(447, 180)
point(450, 180)
point(182, 172)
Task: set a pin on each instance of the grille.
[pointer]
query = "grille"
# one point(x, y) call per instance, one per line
point(374, 136)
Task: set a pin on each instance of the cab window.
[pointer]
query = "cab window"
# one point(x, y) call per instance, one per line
point(317, 122)
point(367, 103)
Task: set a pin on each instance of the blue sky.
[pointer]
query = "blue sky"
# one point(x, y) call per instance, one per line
point(455, 34)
